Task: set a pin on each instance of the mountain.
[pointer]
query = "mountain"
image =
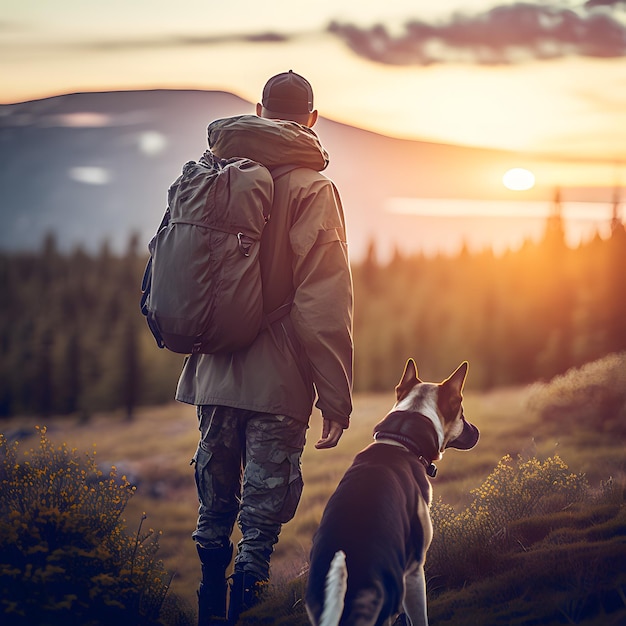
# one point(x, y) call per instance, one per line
point(92, 167)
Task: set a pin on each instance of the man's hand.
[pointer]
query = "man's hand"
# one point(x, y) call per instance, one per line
point(331, 434)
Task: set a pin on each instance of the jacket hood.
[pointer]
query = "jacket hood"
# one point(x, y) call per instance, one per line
point(270, 142)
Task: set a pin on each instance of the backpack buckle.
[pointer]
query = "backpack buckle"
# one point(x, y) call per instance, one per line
point(245, 243)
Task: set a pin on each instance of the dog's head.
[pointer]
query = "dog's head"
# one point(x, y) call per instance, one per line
point(430, 414)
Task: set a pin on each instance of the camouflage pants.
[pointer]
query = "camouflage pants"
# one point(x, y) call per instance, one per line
point(247, 469)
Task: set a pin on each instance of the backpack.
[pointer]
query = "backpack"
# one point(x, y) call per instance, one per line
point(201, 290)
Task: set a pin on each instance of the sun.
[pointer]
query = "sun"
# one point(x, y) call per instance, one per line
point(518, 179)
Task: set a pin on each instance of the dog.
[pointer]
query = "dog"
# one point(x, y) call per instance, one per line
point(367, 557)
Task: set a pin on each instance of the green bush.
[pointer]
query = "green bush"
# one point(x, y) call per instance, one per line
point(592, 397)
point(535, 546)
point(65, 557)
point(469, 545)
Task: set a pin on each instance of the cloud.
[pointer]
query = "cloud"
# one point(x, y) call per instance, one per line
point(152, 142)
point(590, 4)
point(501, 35)
point(90, 175)
point(504, 34)
point(82, 119)
point(185, 41)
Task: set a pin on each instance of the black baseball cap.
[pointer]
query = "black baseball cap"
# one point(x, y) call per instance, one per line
point(288, 93)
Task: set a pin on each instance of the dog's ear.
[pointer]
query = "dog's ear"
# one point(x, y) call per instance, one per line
point(451, 399)
point(408, 381)
point(454, 383)
point(450, 394)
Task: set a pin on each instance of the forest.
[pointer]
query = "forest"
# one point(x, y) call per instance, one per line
point(73, 340)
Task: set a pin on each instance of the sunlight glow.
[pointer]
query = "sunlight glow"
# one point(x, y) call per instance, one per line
point(518, 179)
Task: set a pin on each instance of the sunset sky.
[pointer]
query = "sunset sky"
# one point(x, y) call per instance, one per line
point(546, 79)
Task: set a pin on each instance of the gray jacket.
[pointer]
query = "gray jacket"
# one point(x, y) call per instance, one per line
point(304, 260)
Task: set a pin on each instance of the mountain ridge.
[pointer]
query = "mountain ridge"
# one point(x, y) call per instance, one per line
point(95, 166)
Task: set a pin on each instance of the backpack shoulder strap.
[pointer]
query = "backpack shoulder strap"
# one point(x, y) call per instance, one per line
point(283, 310)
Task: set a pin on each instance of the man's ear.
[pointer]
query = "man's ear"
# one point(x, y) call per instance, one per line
point(312, 118)
point(259, 109)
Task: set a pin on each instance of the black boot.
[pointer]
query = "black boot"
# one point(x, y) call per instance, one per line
point(245, 592)
point(212, 591)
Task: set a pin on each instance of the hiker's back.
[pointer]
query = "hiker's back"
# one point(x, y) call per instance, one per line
point(280, 146)
point(292, 227)
point(302, 247)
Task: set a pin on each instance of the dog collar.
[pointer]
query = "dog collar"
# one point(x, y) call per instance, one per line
point(409, 444)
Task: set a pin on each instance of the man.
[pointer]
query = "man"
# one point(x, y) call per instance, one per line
point(254, 405)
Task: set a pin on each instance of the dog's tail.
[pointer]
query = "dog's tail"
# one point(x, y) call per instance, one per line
point(335, 590)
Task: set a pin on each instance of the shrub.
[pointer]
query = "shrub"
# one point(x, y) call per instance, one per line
point(593, 396)
point(468, 545)
point(65, 557)
point(534, 546)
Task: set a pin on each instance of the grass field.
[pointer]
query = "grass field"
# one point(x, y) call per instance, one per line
point(155, 448)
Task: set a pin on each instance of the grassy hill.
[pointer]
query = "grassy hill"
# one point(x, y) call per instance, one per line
point(577, 417)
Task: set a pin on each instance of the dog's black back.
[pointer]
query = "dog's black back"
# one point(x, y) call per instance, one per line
point(380, 541)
